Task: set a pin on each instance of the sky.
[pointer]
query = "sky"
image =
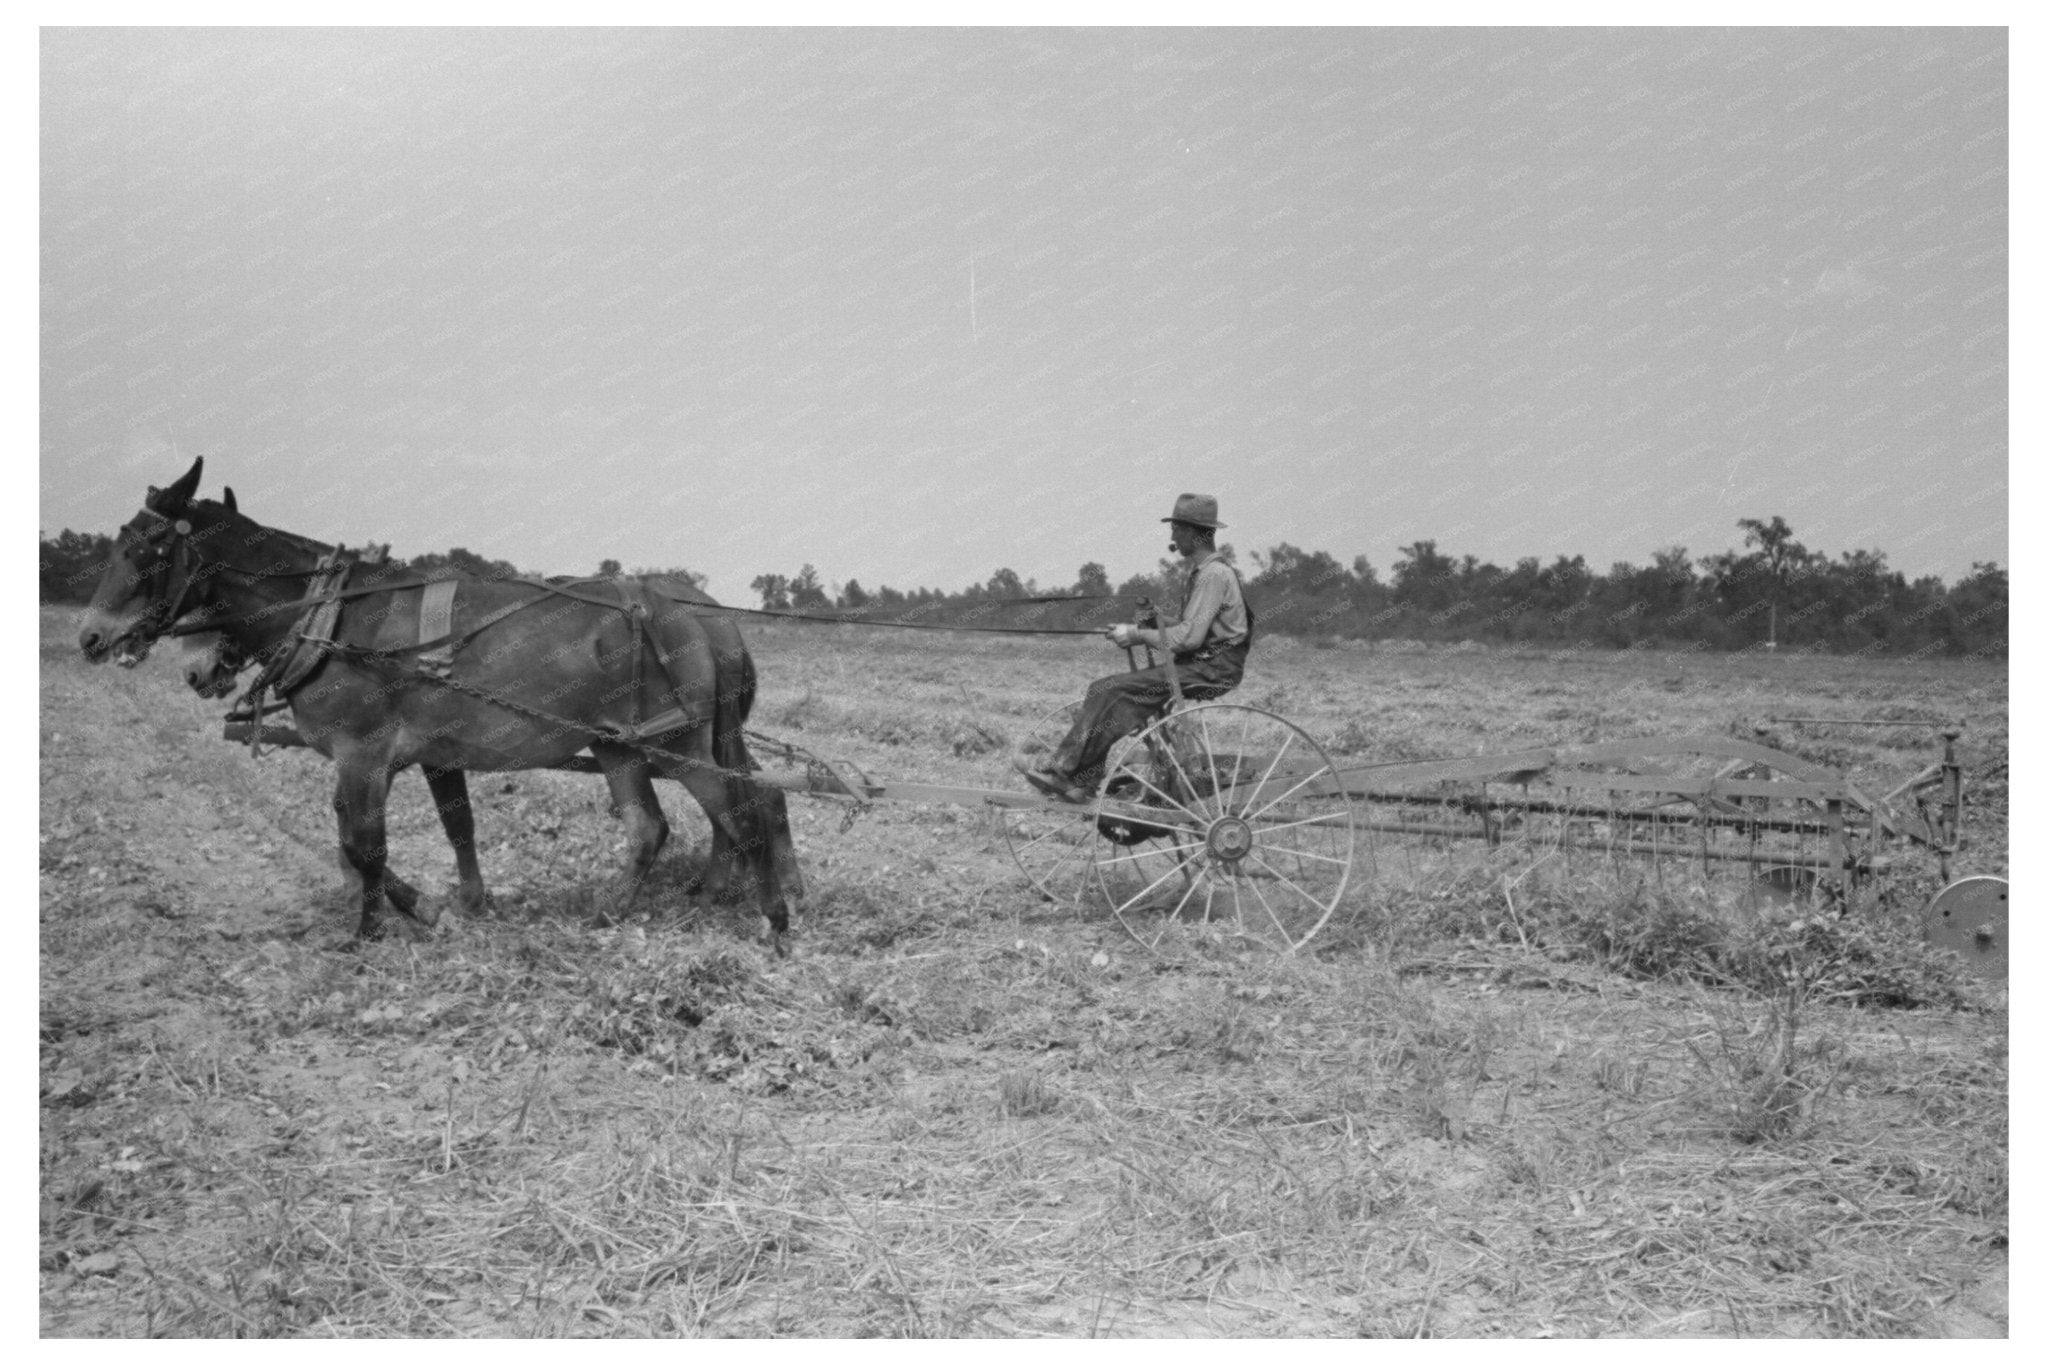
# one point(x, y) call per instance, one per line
point(915, 305)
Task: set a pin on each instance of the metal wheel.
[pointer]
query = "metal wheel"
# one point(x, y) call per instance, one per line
point(1055, 850)
point(1223, 815)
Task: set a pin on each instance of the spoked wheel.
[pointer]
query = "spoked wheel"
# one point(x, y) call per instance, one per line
point(1223, 815)
point(1055, 850)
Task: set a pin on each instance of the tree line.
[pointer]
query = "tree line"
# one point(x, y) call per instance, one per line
point(1772, 592)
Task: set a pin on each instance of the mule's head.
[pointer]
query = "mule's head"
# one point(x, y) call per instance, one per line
point(153, 576)
point(211, 661)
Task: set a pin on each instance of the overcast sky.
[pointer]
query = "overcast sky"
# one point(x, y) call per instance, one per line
point(915, 305)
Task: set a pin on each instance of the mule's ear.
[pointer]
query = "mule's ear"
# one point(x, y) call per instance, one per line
point(227, 498)
point(180, 493)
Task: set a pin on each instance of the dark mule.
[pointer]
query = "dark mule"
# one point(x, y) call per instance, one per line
point(211, 661)
point(537, 673)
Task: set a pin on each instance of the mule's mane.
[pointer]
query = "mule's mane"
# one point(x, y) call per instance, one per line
point(306, 543)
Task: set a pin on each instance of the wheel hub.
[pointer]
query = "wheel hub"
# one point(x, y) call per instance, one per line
point(1230, 839)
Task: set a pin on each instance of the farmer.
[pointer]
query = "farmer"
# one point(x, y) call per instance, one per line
point(1209, 641)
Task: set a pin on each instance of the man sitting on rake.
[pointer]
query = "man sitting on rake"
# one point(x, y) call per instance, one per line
point(1208, 643)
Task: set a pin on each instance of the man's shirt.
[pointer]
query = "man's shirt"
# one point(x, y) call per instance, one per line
point(1213, 612)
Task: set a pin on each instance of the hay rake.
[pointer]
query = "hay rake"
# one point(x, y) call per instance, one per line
point(1226, 817)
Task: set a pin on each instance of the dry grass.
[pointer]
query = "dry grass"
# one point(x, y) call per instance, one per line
point(955, 1110)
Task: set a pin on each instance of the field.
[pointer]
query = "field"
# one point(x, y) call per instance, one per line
point(956, 1110)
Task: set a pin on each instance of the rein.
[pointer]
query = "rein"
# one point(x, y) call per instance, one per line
point(693, 608)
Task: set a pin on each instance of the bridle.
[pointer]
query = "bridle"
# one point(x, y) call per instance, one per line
point(164, 555)
point(168, 556)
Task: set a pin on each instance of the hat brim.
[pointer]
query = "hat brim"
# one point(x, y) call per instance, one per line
point(1190, 521)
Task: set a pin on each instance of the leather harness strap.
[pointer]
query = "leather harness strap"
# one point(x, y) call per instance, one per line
point(437, 626)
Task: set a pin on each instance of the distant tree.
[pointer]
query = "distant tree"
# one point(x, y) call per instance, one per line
point(1286, 569)
point(1781, 557)
point(70, 566)
point(609, 568)
point(1093, 581)
point(1979, 606)
point(1005, 583)
point(463, 563)
point(853, 595)
point(806, 593)
point(1423, 578)
point(690, 576)
point(774, 590)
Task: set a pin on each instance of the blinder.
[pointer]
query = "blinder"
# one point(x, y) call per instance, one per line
point(170, 558)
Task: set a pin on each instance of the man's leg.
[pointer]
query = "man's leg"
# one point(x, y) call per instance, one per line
point(1118, 705)
point(1213, 677)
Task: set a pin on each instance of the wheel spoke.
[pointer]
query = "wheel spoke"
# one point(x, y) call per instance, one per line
point(1272, 915)
point(1193, 882)
point(1148, 853)
point(1325, 818)
point(1173, 757)
point(1280, 753)
point(1282, 876)
point(1304, 853)
point(1312, 776)
point(1145, 782)
point(1133, 900)
point(1209, 754)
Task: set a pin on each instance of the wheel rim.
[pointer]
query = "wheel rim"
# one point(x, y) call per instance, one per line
point(1054, 851)
point(1223, 816)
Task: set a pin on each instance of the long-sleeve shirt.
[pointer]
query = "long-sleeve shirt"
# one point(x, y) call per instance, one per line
point(1213, 611)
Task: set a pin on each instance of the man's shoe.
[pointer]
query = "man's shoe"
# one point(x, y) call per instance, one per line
point(1052, 782)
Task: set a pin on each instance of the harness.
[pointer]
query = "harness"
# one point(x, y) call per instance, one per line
point(314, 638)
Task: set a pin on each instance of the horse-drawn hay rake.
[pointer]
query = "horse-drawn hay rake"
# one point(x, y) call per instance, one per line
point(1216, 814)
point(1226, 812)
point(1228, 816)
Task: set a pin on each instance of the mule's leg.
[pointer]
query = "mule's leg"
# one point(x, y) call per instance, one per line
point(632, 787)
point(451, 802)
point(715, 877)
point(733, 804)
point(360, 790)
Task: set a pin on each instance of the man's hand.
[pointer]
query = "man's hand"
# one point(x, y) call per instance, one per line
point(1122, 636)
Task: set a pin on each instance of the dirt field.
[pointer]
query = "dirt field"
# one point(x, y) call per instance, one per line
point(955, 1109)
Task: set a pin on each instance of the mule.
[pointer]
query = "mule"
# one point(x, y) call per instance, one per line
point(534, 672)
point(211, 663)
